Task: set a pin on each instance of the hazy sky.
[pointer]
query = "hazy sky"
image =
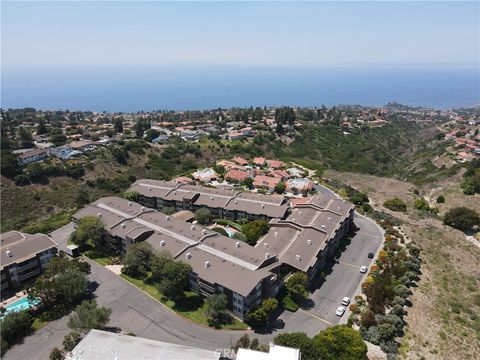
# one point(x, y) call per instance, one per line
point(232, 33)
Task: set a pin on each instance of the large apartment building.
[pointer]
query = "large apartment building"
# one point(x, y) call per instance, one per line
point(222, 203)
point(23, 256)
point(299, 239)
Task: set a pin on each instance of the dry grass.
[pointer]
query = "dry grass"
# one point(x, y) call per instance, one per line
point(444, 321)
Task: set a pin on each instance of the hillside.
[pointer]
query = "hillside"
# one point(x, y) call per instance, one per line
point(444, 316)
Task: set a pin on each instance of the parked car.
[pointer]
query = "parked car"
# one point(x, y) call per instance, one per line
point(371, 255)
point(363, 269)
point(346, 301)
point(340, 311)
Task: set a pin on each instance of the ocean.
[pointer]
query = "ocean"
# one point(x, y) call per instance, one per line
point(130, 89)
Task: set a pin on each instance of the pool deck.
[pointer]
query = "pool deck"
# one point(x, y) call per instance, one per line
point(11, 300)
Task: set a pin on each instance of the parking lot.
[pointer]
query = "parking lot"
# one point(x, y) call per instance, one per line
point(345, 277)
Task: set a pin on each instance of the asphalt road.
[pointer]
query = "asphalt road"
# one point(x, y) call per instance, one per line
point(345, 278)
point(134, 311)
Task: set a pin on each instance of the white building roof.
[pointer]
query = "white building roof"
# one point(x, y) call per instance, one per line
point(104, 345)
point(276, 352)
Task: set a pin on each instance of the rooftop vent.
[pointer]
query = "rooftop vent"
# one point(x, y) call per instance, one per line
point(192, 227)
point(149, 189)
point(236, 201)
point(142, 208)
point(275, 234)
point(175, 192)
point(162, 242)
point(263, 206)
point(207, 264)
point(99, 214)
point(265, 244)
point(299, 258)
point(211, 198)
point(129, 203)
point(124, 225)
point(267, 255)
point(329, 218)
point(9, 253)
point(323, 226)
point(309, 242)
point(237, 244)
point(167, 218)
point(188, 255)
point(338, 208)
point(204, 232)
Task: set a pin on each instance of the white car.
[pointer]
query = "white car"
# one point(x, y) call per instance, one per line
point(340, 311)
point(363, 269)
point(346, 301)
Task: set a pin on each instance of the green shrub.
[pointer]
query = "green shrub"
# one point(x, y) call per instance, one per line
point(396, 204)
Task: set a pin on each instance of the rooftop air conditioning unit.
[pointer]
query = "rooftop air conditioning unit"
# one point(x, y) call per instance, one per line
point(188, 255)
point(265, 244)
point(142, 208)
point(99, 214)
point(309, 242)
point(237, 244)
point(192, 227)
point(149, 189)
point(207, 264)
point(167, 218)
point(299, 258)
point(162, 242)
point(204, 232)
point(129, 203)
point(9, 253)
point(267, 255)
point(124, 225)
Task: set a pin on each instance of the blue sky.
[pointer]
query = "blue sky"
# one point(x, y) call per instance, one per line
point(233, 33)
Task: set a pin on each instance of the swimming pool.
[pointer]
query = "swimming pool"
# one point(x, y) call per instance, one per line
point(21, 304)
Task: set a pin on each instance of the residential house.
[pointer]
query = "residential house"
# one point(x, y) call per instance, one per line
point(205, 175)
point(31, 156)
point(236, 175)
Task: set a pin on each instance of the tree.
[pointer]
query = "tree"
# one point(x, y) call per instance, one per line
point(254, 230)
point(341, 342)
point(215, 307)
point(296, 286)
point(82, 198)
point(402, 291)
point(248, 182)
point(72, 285)
point(62, 282)
point(25, 136)
point(203, 216)
point(14, 326)
point(41, 128)
point(138, 260)
point(219, 169)
point(9, 164)
point(280, 187)
point(440, 199)
point(88, 316)
point(71, 340)
point(174, 281)
point(462, 218)
point(58, 139)
point(158, 262)
point(56, 354)
point(90, 230)
point(260, 317)
point(300, 341)
point(118, 125)
point(395, 204)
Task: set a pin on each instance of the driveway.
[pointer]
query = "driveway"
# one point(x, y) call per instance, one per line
point(61, 235)
point(345, 278)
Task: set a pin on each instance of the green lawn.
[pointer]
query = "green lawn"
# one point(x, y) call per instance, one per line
point(289, 304)
point(192, 307)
